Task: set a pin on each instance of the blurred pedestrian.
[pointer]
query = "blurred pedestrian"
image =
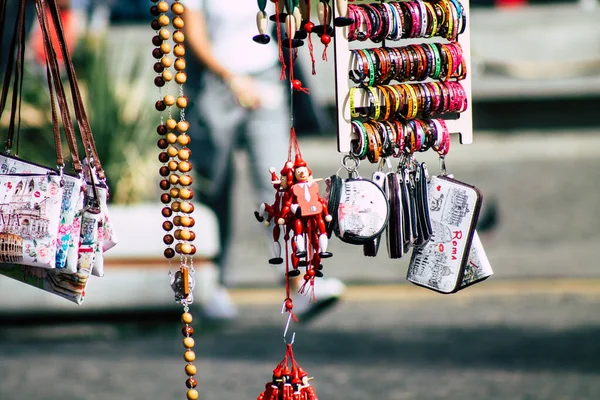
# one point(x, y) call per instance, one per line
point(240, 102)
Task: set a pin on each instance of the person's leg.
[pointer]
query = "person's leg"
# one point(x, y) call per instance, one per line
point(266, 139)
point(222, 205)
point(267, 133)
point(214, 118)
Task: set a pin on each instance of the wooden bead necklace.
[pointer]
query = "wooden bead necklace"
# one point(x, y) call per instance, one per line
point(175, 171)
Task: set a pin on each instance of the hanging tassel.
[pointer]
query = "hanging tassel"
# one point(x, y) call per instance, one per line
point(289, 381)
point(312, 55)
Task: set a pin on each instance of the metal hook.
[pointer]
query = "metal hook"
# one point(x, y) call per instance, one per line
point(384, 162)
point(351, 163)
point(443, 165)
point(285, 331)
point(287, 326)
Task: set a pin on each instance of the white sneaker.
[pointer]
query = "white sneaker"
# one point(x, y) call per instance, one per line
point(327, 291)
point(219, 306)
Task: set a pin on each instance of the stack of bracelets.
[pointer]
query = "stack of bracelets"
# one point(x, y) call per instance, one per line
point(404, 90)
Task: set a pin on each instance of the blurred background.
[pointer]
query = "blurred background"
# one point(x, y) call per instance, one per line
point(528, 332)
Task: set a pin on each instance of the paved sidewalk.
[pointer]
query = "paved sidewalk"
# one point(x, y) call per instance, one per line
point(378, 345)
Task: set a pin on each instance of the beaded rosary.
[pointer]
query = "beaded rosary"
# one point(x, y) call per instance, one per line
point(175, 170)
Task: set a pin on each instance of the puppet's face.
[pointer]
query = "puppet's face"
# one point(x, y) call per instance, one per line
point(283, 182)
point(301, 174)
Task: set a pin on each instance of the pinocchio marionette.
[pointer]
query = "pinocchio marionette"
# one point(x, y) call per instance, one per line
point(310, 211)
point(299, 210)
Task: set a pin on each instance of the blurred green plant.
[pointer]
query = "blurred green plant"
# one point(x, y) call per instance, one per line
point(122, 121)
point(120, 117)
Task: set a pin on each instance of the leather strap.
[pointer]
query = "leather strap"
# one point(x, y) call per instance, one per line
point(84, 127)
point(16, 47)
point(60, 160)
point(82, 120)
point(11, 55)
point(54, 76)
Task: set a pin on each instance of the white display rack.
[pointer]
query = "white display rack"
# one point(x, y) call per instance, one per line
point(462, 125)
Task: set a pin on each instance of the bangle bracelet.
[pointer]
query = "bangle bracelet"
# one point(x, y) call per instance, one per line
point(371, 64)
point(357, 75)
point(437, 61)
point(351, 95)
point(387, 102)
point(435, 96)
point(433, 18)
point(424, 19)
point(415, 103)
point(410, 141)
point(374, 102)
point(361, 132)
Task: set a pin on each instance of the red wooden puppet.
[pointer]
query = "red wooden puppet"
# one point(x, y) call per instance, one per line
point(267, 212)
point(309, 210)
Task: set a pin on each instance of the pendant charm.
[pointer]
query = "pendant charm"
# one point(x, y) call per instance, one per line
point(182, 283)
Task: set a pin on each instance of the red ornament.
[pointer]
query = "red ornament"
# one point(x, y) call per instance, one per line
point(296, 84)
point(308, 27)
point(289, 383)
point(325, 39)
point(289, 304)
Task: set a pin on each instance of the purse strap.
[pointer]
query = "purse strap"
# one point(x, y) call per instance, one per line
point(82, 119)
point(17, 47)
point(84, 127)
point(54, 79)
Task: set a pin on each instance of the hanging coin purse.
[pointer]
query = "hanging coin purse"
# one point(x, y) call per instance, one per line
point(371, 247)
point(454, 209)
point(362, 213)
point(333, 193)
point(478, 267)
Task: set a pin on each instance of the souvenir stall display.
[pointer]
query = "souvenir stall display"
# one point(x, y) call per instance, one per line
point(402, 88)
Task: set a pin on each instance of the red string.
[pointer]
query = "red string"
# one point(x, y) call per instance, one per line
point(287, 266)
point(312, 55)
point(281, 58)
point(324, 56)
point(310, 45)
point(293, 145)
point(326, 18)
point(292, 59)
point(287, 274)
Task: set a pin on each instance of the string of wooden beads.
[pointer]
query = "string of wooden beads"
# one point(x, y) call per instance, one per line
point(176, 167)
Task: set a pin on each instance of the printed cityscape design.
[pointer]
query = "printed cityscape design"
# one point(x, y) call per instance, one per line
point(438, 264)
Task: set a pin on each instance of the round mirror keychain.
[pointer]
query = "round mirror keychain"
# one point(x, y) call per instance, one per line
point(175, 171)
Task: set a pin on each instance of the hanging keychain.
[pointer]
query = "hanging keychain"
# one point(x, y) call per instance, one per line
point(363, 209)
point(371, 248)
point(175, 170)
point(454, 209)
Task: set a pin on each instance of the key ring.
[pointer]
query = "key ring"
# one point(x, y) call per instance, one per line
point(350, 163)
